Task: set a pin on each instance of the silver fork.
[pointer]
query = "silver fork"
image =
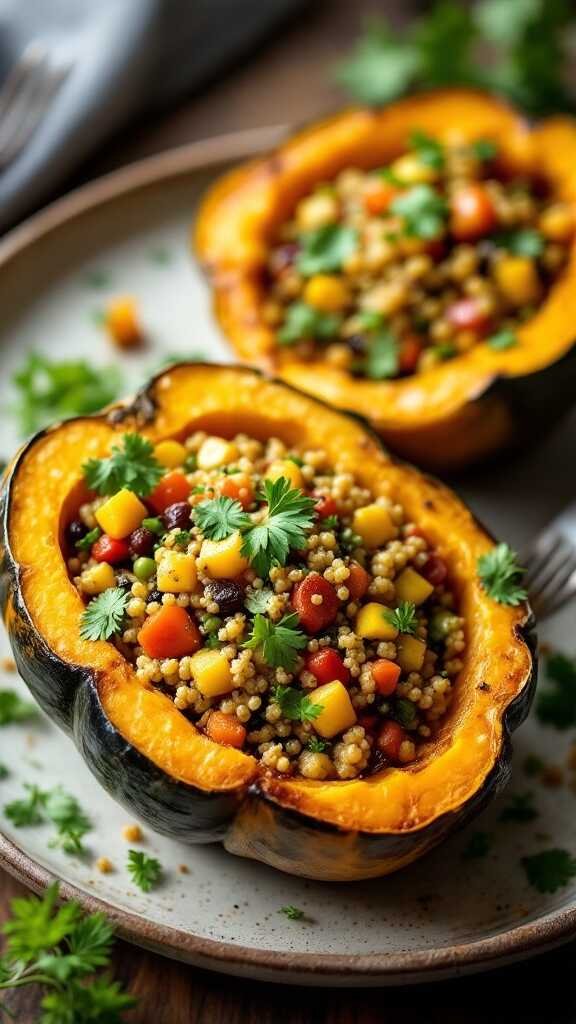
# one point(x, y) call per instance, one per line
point(25, 97)
point(550, 562)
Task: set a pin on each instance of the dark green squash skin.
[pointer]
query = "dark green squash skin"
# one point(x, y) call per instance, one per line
point(283, 838)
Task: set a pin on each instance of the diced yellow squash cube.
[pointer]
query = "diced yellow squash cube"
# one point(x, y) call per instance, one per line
point(211, 673)
point(328, 292)
point(517, 279)
point(176, 573)
point(287, 469)
point(411, 653)
point(374, 524)
point(221, 559)
point(170, 454)
point(337, 712)
point(100, 577)
point(411, 586)
point(410, 170)
point(216, 451)
point(121, 514)
point(121, 321)
point(371, 623)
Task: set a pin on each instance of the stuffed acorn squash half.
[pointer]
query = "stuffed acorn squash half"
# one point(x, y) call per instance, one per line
point(415, 265)
point(261, 630)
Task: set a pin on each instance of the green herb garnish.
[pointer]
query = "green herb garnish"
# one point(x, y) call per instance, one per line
point(403, 618)
point(484, 149)
point(423, 211)
point(520, 809)
point(316, 746)
point(13, 709)
point(292, 913)
point(289, 515)
point(429, 150)
point(85, 543)
point(382, 357)
point(556, 702)
point(405, 712)
point(479, 845)
point(502, 340)
point(133, 467)
point(258, 601)
point(521, 242)
point(145, 871)
point(60, 949)
point(220, 517)
point(325, 249)
point(500, 575)
point(56, 806)
point(296, 705)
point(549, 870)
point(4, 773)
point(533, 765)
point(104, 614)
point(48, 390)
point(304, 323)
point(279, 642)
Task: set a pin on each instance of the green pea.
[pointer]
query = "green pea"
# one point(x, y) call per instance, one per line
point(211, 623)
point(190, 463)
point(155, 525)
point(144, 568)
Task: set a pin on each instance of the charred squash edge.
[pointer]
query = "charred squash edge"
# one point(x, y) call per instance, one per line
point(465, 409)
point(290, 825)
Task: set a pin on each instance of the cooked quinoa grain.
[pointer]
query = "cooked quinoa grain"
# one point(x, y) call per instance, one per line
point(330, 653)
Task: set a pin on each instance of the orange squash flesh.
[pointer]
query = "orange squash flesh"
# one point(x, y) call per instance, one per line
point(422, 801)
point(449, 415)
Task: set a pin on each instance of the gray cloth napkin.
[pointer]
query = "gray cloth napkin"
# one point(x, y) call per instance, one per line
point(127, 57)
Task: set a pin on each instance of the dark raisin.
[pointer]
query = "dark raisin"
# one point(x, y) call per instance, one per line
point(177, 516)
point(357, 343)
point(124, 582)
point(142, 542)
point(155, 595)
point(76, 531)
point(283, 257)
point(228, 595)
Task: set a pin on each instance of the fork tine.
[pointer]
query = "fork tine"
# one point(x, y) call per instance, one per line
point(546, 605)
point(551, 579)
point(536, 558)
point(559, 557)
point(25, 99)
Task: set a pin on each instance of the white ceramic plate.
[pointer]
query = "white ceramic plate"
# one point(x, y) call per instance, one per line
point(443, 916)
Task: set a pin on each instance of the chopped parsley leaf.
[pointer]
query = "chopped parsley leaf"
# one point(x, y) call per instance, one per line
point(556, 702)
point(550, 870)
point(324, 250)
point(279, 642)
point(500, 575)
point(145, 871)
point(133, 467)
point(104, 615)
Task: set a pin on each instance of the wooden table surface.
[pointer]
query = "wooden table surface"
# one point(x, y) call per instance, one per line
point(290, 80)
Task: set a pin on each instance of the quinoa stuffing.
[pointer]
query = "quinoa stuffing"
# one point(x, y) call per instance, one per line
point(392, 271)
point(283, 607)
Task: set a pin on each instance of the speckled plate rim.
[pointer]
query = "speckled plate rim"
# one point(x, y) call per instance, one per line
point(387, 968)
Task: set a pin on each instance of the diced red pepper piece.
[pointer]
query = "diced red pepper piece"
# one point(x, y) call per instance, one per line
point(172, 488)
point(239, 487)
point(225, 729)
point(473, 213)
point(386, 674)
point(107, 549)
point(315, 617)
point(390, 737)
point(435, 570)
point(378, 196)
point(358, 581)
point(467, 315)
point(370, 722)
point(327, 665)
point(410, 352)
point(325, 505)
point(170, 633)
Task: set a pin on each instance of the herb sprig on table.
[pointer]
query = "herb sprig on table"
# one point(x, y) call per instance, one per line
point(13, 709)
point(61, 950)
point(57, 806)
point(50, 389)
point(556, 700)
point(519, 48)
point(145, 871)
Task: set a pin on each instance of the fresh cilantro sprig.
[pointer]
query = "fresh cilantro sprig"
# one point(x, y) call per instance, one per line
point(526, 43)
point(279, 642)
point(383, 355)
point(48, 390)
point(556, 701)
point(324, 250)
point(13, 709)
point(55, 806)
point(403, 618)
point(133, 467)
point(502, 340)
point(290, 513)
point(220, 517)
point(550, 870)
point(85, 543)
point(423, 211)
point(485, 149)
point(59, 949)
point(520, 809)
point(296, 705)
point(258, 601)
point(521, 242)
point(292, 913)
point(315, 745)
point(304, 323)
point(145, 871)
point(501, 576)
point(104, 615)
point(429, 151)
point(4, 773)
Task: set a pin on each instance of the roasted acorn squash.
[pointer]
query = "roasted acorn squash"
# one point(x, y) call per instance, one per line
point(465, 408)
point(149, 756)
